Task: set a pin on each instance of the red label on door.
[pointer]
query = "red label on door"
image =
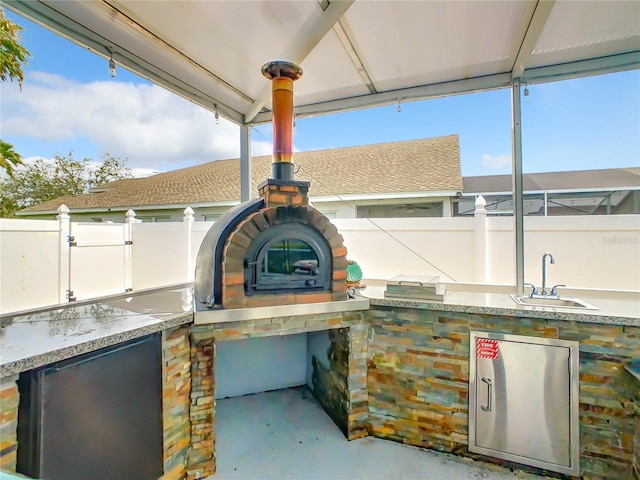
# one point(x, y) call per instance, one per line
point(486, 348)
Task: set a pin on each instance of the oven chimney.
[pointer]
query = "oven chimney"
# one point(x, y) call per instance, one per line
point(275, 249)
point(282, 75)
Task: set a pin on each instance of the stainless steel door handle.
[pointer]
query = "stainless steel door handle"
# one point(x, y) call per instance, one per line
point(489, 388)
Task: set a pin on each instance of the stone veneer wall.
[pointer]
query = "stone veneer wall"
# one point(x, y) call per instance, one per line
point(9, 399)
point(330, 385)
point(201, 459)
point(176, 390)
point(419, 372)
point(341, 389)
point(358, 411)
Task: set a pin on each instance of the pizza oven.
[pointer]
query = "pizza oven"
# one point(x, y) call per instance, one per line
point(275, 249)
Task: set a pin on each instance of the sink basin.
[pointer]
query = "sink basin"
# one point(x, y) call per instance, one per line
point(553, 302)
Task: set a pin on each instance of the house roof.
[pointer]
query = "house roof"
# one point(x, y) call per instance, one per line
point(425, 165)
point(584, 180)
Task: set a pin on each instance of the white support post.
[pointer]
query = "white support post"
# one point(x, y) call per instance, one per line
point(480, 215)
point(188, 224)
point(130, 218)
point(518, 193)
point(245, 163)
point(64, 257)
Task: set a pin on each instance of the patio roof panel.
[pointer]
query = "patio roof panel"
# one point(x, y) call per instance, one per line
point(434, 42)
point(355, 54)
point(328, 72)
point(585, 30)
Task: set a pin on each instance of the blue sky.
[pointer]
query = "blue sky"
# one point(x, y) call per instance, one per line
point(69, 103)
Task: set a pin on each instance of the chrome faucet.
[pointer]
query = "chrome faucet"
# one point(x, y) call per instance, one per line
point(544, 271)
point(543, 293)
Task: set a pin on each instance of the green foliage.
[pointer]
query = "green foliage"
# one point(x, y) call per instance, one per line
point(12, 54)
point(9, 158)
point(8, 206)
point(49, 179)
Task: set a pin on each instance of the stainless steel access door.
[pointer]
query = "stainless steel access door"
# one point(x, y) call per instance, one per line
point(521, 398)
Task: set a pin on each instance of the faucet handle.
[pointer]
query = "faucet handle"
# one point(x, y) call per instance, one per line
point(534, 290)
point(555, 287)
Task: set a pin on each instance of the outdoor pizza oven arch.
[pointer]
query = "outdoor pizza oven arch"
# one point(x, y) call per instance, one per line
point(286, 258)
point(276, 255)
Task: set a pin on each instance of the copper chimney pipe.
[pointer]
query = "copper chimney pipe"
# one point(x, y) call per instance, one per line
point(282, 75)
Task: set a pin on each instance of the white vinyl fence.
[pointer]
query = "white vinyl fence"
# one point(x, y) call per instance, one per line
point(46, 262)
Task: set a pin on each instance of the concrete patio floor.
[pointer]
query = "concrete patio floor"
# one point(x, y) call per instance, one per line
point(285, 434)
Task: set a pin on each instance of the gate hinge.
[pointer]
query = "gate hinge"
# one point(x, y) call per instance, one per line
point(70, 296)
point(127, 290)
point(128, 242)
point(72, 241)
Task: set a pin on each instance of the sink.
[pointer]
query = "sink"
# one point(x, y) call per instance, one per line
point(553, 302)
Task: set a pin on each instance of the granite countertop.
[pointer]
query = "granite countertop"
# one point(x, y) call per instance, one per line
point(31, 340)
point(610, 311)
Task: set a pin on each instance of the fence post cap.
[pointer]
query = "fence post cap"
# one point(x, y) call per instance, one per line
point(130, 216)
point(63, 214)
point(480, 204)
point(188, 214)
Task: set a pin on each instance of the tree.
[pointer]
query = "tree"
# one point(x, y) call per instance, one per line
point(49, 179)
point(12, 56)
point(9, 158)
point(12, 53)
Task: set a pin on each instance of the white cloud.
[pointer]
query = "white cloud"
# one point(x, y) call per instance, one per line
point(144, 172)
point(151, 127)
point(496, 162)
point(260, 148)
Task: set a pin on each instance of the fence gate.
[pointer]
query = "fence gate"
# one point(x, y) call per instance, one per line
point(99, 260)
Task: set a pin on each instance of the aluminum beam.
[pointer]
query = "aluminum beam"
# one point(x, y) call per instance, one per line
point(424, 92)
point(583, 68)
point(536, 25)
point(566, 71)
point(300, 50)
point(343, 31)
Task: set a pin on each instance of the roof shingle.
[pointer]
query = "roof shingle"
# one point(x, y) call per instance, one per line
point(424, 165)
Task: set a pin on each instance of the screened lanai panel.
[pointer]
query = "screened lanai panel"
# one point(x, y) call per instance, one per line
point(418, 43)
point(582, 30)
